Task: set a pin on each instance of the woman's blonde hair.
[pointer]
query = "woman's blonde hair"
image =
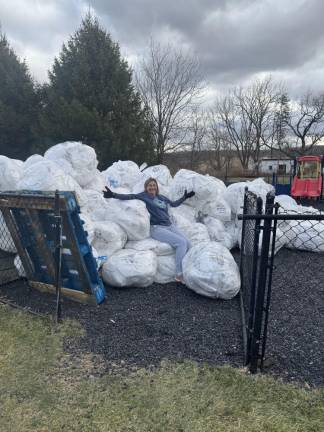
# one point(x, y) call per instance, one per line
point(149, 180)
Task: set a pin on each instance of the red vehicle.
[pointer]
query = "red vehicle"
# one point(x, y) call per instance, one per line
point(308, 179)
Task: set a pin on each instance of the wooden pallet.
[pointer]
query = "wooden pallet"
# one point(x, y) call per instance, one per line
point(30, 218)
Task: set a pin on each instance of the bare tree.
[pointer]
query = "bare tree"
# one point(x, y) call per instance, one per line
point(247, 114)
point(238, 126)
point(197, 133)
point(259, 102)
point(170, 84)
point(219, 144)
point(305, 119)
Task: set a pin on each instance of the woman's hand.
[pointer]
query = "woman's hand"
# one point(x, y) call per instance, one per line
point(188, 194)
point(108, 193)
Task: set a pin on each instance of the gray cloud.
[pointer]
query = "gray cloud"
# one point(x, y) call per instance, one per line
point(39, 23)
point(262, 39)
point(37, 29)
point(234, 39)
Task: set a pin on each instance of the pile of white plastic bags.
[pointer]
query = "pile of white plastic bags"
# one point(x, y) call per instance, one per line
point(120, 230)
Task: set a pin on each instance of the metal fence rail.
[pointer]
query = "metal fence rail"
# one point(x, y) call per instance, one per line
point(249, 267)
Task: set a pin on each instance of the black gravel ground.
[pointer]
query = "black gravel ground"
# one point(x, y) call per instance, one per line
point(142, 326)
point(138, 327)
point(295, 346)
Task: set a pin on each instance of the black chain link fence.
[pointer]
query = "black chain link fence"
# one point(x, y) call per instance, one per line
point(282, 270)
point(302, 235)
point(294, 336)
point(249, 266)
point(11, 267)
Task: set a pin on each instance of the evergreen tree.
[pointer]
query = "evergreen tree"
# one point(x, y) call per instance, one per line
point(18, 104)
point(90, 97)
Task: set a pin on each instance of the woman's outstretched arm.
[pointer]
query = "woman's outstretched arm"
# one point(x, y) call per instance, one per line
point(107, 193)
point(178, 202)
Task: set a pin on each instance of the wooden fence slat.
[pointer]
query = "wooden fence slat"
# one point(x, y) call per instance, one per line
point(78, 296)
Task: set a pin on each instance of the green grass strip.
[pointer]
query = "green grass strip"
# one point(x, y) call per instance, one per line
point(42, 389)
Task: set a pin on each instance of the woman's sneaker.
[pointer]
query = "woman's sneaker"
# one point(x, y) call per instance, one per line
point(179, 279)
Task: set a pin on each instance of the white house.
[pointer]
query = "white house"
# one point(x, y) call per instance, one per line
point(278, 166)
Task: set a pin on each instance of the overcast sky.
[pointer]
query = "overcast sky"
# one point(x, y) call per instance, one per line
point(235, 40)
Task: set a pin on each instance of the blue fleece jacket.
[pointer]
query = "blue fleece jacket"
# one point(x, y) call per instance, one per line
point(156, 205)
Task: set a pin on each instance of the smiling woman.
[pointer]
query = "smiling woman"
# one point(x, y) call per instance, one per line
point(162, 228)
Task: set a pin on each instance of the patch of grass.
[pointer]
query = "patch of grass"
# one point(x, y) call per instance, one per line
point(42, 389)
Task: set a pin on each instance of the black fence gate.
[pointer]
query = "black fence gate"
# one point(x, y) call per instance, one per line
point(274, 240)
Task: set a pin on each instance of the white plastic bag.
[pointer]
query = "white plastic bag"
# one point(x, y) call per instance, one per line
point(75, 159)
point(128, 267)
point(11, 171)
point(182, 215)
point(159, 248)
point(300, 234)
point(100, 259)
point(47, 176)
point(303, 234)
point(206, 188)
point(234, 194)
point(131, 215)
point(97, 182)
point(32, 160)
point(222, 232)
point(195, 233)
point(209, 269)
point(109, 237)
point(161, 174)
point(218, 209)
point(286, 202)
point(289, 206)
point(215, 227)
point(122, 174)
point(166, 269)
point(96, 206)
point(232, 231)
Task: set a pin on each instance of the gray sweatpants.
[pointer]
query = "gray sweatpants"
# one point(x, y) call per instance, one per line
point(174, 237)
